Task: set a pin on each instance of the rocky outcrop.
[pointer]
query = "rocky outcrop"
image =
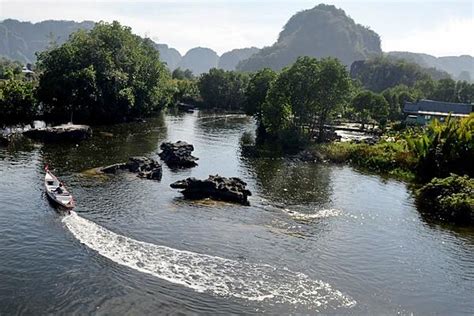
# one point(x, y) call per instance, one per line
point(215, 187)
point(144, 167)
point(66, 132)
point(178, 155)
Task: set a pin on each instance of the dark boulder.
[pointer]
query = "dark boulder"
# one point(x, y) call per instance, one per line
point(146, 168)
point(215, 187)
point(66, 132)
point(178, 155)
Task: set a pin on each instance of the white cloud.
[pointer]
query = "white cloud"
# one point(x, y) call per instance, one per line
point(451, 37)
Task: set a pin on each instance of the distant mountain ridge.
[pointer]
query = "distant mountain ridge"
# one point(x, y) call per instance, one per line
point(454, 65)
point(230, 60)
point(322, 31)
point(21, 40)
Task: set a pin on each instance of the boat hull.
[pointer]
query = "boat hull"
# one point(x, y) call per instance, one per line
point(63, 198)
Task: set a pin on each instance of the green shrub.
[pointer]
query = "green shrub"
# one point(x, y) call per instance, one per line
point(386, 157)
point(17, 102)
point(444, 148)
point(450, 198)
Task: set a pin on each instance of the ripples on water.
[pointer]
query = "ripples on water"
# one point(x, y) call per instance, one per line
point(137, 247)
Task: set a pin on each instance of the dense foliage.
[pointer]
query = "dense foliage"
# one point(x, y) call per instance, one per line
point(322, 31)
point(17, 101)
point(104, 75)
point(451, 198)
point(257, 89)
point(223, 89)
point(384, 157)
point(370, 106)
point(181, 74)
point(437, 151)
point(186, 91)
point(380, 73)
point(448, 90)
point(444, 148)
point(9, 68)
point(396, 98)
point(304, 97)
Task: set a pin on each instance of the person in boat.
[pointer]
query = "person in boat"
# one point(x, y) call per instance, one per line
point(59, 189)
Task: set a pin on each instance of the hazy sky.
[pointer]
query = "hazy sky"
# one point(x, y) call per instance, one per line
point(439, 28)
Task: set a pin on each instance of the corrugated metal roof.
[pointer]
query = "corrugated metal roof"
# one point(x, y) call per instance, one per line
point(437, 106)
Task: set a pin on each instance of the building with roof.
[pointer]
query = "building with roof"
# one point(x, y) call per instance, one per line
point(424, 111)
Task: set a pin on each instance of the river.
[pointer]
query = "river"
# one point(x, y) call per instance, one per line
point(316, 238)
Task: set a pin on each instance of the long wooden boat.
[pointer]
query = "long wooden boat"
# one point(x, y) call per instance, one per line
point(57, 192)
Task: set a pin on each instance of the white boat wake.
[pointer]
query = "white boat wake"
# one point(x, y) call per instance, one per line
point(324, 213)
point(204, 273)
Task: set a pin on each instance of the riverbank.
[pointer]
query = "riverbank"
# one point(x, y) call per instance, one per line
point(431, 160)
point(385, 158)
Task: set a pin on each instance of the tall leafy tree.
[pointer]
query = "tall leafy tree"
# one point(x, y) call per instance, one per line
point(396, 98)
point(103, 75)
point(223, 89)
point(445, 91)
point(371, 106)
point(17, 101)
point(306, 95)
point(181, 74)
point(256, 93)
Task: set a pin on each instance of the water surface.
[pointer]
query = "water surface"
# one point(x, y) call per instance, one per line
point(316, 237)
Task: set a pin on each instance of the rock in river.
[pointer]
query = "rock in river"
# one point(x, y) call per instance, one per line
point(214, 187)
point(178, 154)
point(65, 132)
point(145, 167)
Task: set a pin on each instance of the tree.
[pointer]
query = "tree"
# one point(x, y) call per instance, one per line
point(464, 92)
point(306, 95)
point(380, 73)
point(256, 92)
point(445, 91)
point(9, 69)
point(17, 102)
point(334, 89)
point(103, 75)
point(186, 91)
point(371, 106)
point(223, 89)
point(396, 98)
point(181, 74)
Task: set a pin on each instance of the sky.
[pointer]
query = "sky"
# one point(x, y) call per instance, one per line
point(439, 28)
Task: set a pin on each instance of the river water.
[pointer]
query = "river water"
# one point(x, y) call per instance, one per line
point(316, 238)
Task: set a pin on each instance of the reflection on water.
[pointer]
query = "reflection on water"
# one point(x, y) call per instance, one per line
point(120, 141)
point(291, 183)
point(316, 237)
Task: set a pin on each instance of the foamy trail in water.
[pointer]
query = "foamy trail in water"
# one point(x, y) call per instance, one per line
point(203, 273)
point(324, 213)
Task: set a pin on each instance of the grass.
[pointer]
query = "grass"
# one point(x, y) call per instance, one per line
point(391, 158)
